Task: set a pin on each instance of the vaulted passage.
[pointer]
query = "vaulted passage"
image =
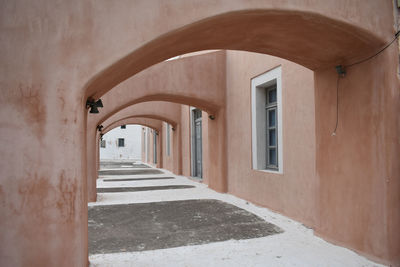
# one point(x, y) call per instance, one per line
point(324, 151)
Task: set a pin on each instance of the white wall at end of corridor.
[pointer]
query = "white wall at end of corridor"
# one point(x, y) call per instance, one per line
point(132, 144)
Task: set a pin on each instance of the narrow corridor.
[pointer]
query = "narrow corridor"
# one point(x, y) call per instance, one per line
point(150, 217)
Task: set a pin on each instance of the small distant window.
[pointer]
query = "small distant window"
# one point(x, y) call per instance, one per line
point(123, 126)
point(121, 142)
point(103, 143)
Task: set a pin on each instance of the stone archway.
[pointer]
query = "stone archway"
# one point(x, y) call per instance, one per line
point(142, 110)
point(51, 55)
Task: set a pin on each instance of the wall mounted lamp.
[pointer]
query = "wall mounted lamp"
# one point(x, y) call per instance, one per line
point(99, 128)
point(340, 70)
point(212, 117)
point(94, 105)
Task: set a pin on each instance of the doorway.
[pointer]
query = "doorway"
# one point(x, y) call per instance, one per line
point(197, 156)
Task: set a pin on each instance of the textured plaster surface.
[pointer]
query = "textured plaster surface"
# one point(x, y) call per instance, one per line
point(294, 191)
point(367, 146)
point(55, 53)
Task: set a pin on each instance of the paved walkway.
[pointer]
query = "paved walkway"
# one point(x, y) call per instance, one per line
point(147, 219)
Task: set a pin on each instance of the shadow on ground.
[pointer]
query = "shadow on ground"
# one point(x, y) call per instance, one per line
point(158, 225)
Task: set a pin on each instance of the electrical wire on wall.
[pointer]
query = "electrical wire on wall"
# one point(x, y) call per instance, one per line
point(337, 105)
point(341, 70)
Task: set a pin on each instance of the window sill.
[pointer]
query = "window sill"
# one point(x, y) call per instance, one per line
point(270, 171)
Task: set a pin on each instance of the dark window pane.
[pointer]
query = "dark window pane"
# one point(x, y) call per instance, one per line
point(196, 114)
point(271, 96)
point(272, 137)
point(103, 143)
point(272, 157)
point(121, 142)
point(271, 117)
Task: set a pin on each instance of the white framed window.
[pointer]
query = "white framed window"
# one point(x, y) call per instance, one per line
point(266, 123)
point(168, 137)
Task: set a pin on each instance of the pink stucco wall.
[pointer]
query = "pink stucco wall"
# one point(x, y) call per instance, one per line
point(328, 197)
point(358, 191)
point(55, 54)
point(186, 140)
point(294, 192)
point(168, 160)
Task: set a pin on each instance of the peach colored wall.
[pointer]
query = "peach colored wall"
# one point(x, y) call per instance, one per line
point(320, 202)
point(160, 150)
point(149, 137)
point(186, 142)
point(205, 147)
point(54, 54)
point(188, 80)
point(214, 157)
point(143, 144)
point(92, 137)
point(358, 169)
point(168, 159)
point(176, 148)
point(161, 110)
point(292, 193)
point(301, 22)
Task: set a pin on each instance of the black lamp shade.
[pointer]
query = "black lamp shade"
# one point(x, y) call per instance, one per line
point(94, 109)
